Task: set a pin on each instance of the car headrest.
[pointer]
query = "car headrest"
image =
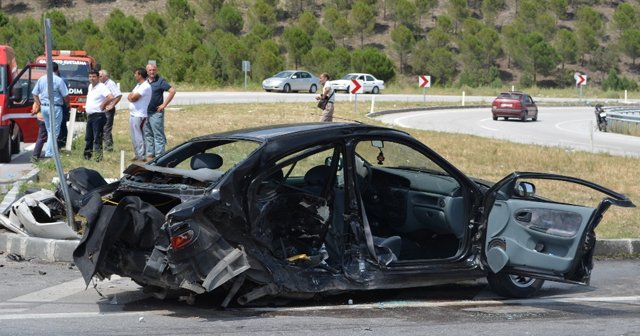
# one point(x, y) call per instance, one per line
point(317, 175)
point(276, 175)
point(206, 160)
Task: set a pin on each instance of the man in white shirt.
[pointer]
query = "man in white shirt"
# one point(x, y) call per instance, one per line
point(139, 101)
point(98, 99)
point(110, 110)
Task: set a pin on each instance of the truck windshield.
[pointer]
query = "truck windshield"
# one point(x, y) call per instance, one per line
point(74, 70)
point(3, 79)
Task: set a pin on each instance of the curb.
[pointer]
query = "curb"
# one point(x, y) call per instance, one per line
point(53, 250)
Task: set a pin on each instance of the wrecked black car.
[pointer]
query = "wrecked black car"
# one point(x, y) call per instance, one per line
point(301, 210)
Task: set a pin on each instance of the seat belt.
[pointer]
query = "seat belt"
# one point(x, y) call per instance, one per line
point(368, 236)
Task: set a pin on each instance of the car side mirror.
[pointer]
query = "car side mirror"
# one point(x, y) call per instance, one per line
point(377, 143)
point(525, 189)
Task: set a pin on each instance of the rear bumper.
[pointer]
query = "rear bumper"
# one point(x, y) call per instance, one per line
point(506, 113)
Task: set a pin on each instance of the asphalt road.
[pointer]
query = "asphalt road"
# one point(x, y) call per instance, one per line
point(50, 299)
point(567, 127)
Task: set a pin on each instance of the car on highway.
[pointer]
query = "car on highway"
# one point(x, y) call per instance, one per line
point(299, 210)
point(514, 104)
point(292, 80)
point(370, 83)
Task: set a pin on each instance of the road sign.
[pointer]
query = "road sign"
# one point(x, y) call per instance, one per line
point(246, 66)
point(580, 79)
point(356, 87)
point(424, 81)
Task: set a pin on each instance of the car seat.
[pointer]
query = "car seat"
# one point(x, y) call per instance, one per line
point(206, 160)
point(316, 178)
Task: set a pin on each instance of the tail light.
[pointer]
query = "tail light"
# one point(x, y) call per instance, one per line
point(181, 240)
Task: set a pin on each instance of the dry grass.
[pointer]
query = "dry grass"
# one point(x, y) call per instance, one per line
point(489, 159)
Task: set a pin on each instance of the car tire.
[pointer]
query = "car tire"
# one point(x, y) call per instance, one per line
point(313, 88)
point(375, 90)
point(514, 286)
point(268, 90)
point(523, 117)
point(348, 89)
point(286, 88)
point(495, 118)
point(16, 138)
point(535, 118)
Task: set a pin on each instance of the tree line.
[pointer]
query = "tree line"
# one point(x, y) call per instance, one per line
point(457, 42)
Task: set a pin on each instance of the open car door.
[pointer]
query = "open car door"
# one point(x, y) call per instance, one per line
point(533, 236)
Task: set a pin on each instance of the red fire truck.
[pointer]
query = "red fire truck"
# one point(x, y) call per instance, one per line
point(16, 122)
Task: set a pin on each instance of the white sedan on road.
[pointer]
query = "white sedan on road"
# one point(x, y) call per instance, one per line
point(370, 83)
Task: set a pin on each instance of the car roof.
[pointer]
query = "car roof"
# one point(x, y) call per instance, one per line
point(309, 130)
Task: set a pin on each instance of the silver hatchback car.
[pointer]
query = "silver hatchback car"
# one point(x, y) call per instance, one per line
point(292, 80)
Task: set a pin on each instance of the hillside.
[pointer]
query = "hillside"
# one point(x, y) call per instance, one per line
point(509, 68)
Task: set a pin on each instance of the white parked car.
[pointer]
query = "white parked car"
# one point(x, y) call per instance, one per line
point(370, 83)
point(292, 80)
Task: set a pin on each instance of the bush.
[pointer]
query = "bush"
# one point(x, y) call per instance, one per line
point(373, 61)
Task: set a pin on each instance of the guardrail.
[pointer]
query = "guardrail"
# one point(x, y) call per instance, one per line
point(623, 119)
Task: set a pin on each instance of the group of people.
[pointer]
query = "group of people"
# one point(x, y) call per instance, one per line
point(146, 110)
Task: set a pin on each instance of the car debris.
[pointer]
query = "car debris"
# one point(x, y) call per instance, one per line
point(39, 214)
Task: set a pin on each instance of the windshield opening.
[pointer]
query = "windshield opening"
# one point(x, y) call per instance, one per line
point(73, 70)
point(283, 74)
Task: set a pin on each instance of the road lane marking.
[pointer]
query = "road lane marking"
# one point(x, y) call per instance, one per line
point(81, 314)
point(441, 304)
point(53, 293)
point(12, 311)
point(489, 128)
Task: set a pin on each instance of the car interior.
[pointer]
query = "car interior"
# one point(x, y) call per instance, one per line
point(415, 211)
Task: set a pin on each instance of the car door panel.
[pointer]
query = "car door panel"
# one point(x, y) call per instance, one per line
point(537, 237)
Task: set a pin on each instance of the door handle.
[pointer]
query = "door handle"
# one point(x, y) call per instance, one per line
point(523, 216)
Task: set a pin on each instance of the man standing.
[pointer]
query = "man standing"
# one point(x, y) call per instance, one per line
point(41, 103)
point(327, 94)
point(154, 136)
point(139, 98)
point(98, 98)
point(110, 111)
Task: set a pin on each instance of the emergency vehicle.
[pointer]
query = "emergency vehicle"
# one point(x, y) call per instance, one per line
point(16, 122)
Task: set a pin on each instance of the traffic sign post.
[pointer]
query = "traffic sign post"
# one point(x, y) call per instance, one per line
point(246, 67)
point(424, 82)
point(355, 88)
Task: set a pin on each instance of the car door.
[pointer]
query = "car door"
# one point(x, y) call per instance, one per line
point(297, 81)
point(366, 85)
point(532, 109)
point(529, 235)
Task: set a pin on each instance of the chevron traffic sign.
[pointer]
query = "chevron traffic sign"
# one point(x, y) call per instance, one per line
point(580, 79)
point(424, 81)
point(356, 87)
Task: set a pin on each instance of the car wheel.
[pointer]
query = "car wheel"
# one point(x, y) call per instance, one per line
point(348, 89)
point(495, 118)
point(523, 117)
point(375, 90)
point(286, 88)
point(535, 117)
point(268, 90)
point(313, 88)
point(514, 286)
point(16, 138)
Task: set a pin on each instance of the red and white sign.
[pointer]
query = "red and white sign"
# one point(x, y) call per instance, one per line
point(356, 87)
point(424, 81)
point(580, 79)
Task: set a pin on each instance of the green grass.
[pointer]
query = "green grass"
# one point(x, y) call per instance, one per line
point(489, 159)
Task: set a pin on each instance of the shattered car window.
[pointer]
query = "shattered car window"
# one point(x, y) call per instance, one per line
point(231, 153)
point(395, 155)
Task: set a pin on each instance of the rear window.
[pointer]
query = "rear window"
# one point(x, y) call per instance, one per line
point(510, 95)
